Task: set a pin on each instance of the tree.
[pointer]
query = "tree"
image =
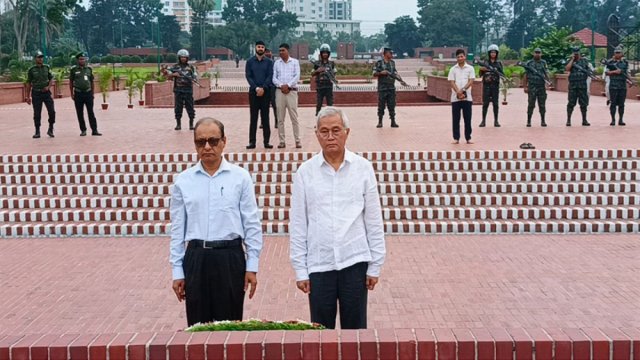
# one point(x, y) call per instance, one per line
point(198, 27)
point(170, 33)
point(532, 18)
point(402, 35)
point(574, 15)
point(268, 13)
point(555, 45)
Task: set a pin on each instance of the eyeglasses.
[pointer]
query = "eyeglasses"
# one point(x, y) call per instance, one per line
point(324, 133)
point(213, 142)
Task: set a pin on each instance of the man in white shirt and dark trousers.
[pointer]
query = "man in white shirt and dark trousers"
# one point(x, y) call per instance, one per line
point(337, 233)
point(461, 78)
point(286, 73)
point(213, 213)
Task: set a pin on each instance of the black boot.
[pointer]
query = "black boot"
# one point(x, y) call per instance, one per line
point(178, 127)
point(620, 116)
point(568, 118)
point(568, 122)
point(37, 134)
point(483, 123)
point(379, 123)
point(621, 122)
point(584, 119)
point(50, 131)
point(613, 121)
point(394, 124)
point(190, 124)
point(496, 123)
point(528, 120)
point(542, 122)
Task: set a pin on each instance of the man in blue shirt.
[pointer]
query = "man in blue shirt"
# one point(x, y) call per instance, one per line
point(259, 71)
point(213, 213)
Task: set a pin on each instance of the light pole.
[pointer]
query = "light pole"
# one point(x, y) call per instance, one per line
point(202, 42)
point(43, 35)
point(158, 45)
point(593, 31)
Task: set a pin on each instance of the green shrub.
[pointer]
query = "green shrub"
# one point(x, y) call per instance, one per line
point(254, 325)
point(171, 58)
point(135, 59)
point(95, 59)
point(109, 59)
point(125, 59)
point(151, 59)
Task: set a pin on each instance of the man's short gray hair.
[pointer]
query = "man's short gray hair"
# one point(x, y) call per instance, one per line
point(332, 111)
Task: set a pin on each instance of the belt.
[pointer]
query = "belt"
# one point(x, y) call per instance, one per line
point(81, 91)
point(216, 244)
point(290, 89)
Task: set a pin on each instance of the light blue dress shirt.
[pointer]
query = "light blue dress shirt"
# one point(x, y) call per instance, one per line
point(212, 208)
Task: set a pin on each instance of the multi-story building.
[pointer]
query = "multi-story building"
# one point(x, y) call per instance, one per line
point(333, 16)
point(184, 14)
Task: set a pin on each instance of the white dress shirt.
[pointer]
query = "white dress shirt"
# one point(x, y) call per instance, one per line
point(212, 208)
point(335, 217)
point(286, 73)
point(461, 76)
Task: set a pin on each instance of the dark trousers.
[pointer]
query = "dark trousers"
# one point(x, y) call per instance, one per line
point(324, 93)
point(490, 94)
point(580, 96)
point(617, 97)
point(347, 287)
point(214, 283)
point(184, 99)
point(38, 98)
point(259, 105)
point(537, 93)
point(456, 108)
point(272, 100)
point(388, 98)
point(82, 99)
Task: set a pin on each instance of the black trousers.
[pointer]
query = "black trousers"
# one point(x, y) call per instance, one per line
point(82, 99)
point(37, 99)
point(347, 287)
point(214, 283)
point(259, 105)
point(465, 107)
point(184, 99)
point(324, 93)
point(273, 105)
point(490, 94)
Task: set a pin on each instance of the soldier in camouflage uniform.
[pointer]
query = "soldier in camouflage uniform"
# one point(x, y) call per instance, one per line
point(491, 85)
point(577, 86)
point(39, 80)
point(82, 89)
point(616, 70)
point(183, 75)
point(536, 86)
point(385, 71)
point(324, 85)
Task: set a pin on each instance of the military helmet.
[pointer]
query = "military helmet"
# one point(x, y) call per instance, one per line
point(183, 53)
point(38, 54)
point(325, 48)
point(493, 47)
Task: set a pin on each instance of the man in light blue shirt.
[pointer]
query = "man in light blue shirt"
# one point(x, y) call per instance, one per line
point(213, 213)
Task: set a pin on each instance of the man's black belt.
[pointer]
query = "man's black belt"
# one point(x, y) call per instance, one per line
point(216, 244)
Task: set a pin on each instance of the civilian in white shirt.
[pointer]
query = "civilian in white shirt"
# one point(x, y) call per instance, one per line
point(213, 214)
point(461, 78)
point(286, 73)
point(337, 233)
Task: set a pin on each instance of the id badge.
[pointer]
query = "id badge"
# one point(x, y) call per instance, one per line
point(86, 78)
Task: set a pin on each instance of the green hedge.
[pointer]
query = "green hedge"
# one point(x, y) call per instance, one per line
point(254, 325)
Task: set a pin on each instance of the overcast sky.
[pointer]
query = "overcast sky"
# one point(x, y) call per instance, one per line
point(375, 13)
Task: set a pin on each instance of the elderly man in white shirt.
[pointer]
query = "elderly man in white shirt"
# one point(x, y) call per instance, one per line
point(461, 78)
point(337, 233)
point(286, 73)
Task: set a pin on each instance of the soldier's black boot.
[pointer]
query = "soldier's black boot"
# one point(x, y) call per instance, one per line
point(37, 134)
point(620, 115)
point(394, 124)
point(178, 127)
point(483, 123)
point(542, 122)
point(495, 122)
point(50, 131)
point(621, 122)
point(529, 120)
point(568, 118)
point(584, 119)
point(190, 124)
point(379, 123)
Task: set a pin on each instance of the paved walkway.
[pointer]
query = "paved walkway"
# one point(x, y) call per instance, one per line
point(123, 285)
point(143, 130)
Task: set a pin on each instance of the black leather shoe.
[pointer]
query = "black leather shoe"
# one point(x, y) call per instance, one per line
point(268, 146)
point(621, 123)
point(83, 133)
point(95, 133)
point(177, 127)
point(482, 124)
point(36, 135)
point(251, 146)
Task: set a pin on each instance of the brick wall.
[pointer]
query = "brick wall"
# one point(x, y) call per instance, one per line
point(161, 93)
point(440, 88)
point(11, 93)
point(308, 98)
point(411, 344)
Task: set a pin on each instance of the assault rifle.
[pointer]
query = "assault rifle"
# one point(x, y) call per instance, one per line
point(328, 71)
point(587, 72)
point(492, 69)
point(165, 69)
point(534, 72)
point(394, 75)
point(612, 65)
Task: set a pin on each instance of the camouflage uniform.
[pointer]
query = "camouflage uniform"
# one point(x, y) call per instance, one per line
point(618, 90)
point(491, 91)
point(536, 89)
point(578, 90)
point(183, 91)
point(40, 77)
point(324, 85)
point(386, 89)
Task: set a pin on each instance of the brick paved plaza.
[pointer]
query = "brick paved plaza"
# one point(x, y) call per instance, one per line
point(122, 284)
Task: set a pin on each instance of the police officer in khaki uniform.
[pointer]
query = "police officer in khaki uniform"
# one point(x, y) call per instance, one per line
point(39, 80)
point(81, 86)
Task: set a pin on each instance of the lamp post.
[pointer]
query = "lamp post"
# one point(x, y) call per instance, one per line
point(593, 31)
point(158, 45)
point(43, 35)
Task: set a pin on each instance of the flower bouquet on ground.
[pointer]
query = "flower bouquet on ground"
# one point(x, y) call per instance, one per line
point(254, 325)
